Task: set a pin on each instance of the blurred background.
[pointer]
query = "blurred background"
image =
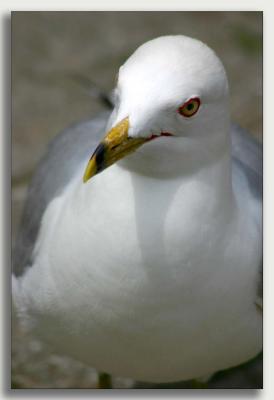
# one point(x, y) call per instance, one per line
point(52, 54)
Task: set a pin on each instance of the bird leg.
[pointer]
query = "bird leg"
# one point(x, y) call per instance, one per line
point(104, 381)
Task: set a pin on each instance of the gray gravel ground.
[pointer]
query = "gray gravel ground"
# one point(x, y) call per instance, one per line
point(50, 50)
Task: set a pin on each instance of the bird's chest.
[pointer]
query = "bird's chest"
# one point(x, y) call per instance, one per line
point(132, 231)
point(132, 261)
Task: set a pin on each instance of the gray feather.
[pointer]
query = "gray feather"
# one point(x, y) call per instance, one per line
point(247, 154)
point(54, 172)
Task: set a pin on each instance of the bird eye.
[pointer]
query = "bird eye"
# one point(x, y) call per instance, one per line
point(190, 107)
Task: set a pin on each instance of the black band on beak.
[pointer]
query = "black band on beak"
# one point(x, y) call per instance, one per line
point(99, 155)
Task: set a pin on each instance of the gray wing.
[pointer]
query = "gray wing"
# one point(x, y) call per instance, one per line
point(247, 153)
point(54, 172)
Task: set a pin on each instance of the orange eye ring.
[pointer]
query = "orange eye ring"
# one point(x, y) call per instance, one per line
point(190, 107)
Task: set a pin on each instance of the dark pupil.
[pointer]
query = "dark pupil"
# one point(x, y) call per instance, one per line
point(190, 106)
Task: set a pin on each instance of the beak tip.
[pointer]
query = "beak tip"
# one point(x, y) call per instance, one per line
point(91, 170)
point(85, 178)
point(103, 155)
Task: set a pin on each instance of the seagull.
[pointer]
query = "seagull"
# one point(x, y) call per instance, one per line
point(140, 251)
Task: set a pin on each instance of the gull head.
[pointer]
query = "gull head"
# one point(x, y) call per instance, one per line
point(171, 109)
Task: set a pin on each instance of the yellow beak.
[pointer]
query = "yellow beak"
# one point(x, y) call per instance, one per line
point(114, 146)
